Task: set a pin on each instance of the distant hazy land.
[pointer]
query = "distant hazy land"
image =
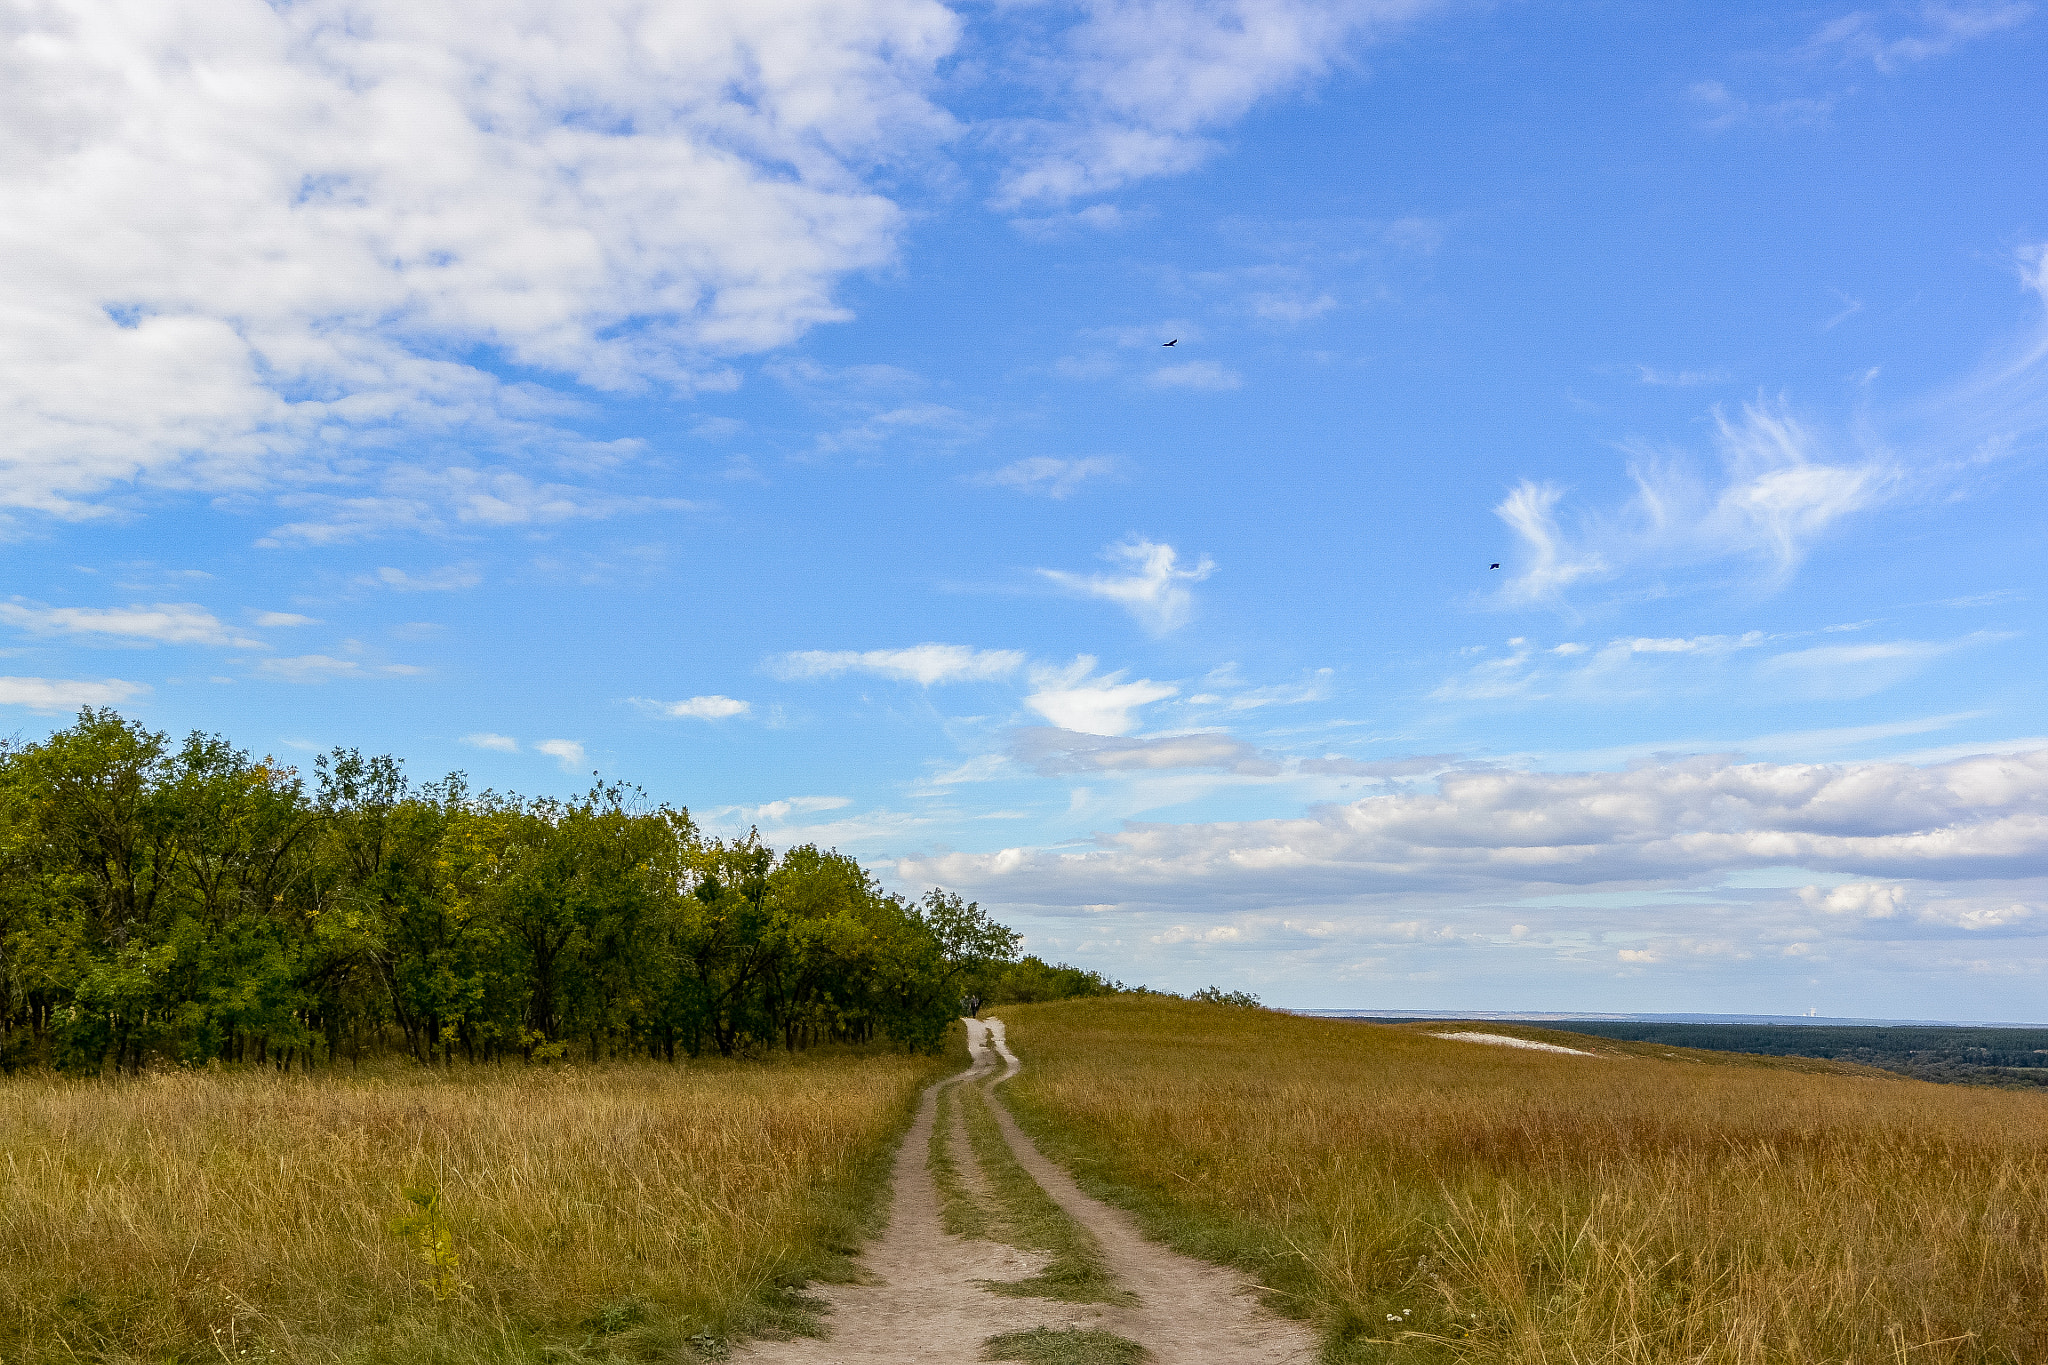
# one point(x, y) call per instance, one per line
point(2010, 1055)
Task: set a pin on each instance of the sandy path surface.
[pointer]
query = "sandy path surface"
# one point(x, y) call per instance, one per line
point(923, 1302)
point(1502, 1040)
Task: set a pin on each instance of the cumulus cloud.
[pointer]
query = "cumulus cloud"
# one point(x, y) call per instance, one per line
point(166, 623)
point(711, 707)
point(925, 665)
point(261, 246)
point(239, 231)
point(1864, 900)
point(278, 619)
point(1073, 698)
point(52, 695)
point(567, 752)
point(1154, 591)
point(503, 744)
point(1505, 832)
point(1047, 475)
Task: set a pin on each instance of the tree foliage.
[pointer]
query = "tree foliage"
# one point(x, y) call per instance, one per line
point(190, 903)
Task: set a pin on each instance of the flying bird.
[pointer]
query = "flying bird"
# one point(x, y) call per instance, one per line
point(1493, 566)
point(1174, 342)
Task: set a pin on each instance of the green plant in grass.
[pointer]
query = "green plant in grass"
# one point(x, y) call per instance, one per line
point(427, 1228)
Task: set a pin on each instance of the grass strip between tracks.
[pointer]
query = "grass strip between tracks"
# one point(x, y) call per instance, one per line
point(1028, 1217)
point(1065, 1346)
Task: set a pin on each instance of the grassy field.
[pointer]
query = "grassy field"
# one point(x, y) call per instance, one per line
point(597, 1214)
point(1429, 1200)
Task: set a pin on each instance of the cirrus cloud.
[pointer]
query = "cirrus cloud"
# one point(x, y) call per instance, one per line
point(1154, 591)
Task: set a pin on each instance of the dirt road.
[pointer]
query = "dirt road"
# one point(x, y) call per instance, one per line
point(925, 1300)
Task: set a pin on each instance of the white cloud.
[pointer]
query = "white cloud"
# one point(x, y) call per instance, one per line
point(1053, 227)
point(1231, 694)
point(238, 233)
point(1721, 107)
point(453, 578)
point(1184, 933)
point(1155, 592)
point(49, 695)
point(1935, 29)
point(712, 707)
point(484, 739)
point(1630, 666)
point(1048, 475)
point(280, 619)
point(1510, 832)
point(779, 812)
point(1862, 900)
point(166, 623)
point(1291, 309)
point(1195, 374)
point(1139, 86)
point(436, 502)
point(1977, 914)
point(319, 668)
point(1552, 566)
point(925, 664)
point(1849, 671)
point(567, 752)
point(1072, 698)
point(1779, 497)
point(1778, 493)
point(1061, 752)
point(1681, 379)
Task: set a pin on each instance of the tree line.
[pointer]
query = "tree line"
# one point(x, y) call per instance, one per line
point(180, 903)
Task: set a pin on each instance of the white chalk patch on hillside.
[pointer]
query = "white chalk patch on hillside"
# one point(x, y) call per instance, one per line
point(1502, 1040)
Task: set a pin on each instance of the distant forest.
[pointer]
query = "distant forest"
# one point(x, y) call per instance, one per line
point(2011, 1057)
point(189, 904)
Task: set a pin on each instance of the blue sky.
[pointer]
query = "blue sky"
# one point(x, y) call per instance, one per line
point(766, 404)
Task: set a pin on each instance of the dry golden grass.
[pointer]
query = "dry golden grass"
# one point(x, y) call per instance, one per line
point(1428, 1200)
point(592, 1213)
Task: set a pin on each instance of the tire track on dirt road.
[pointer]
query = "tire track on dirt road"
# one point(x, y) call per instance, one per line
point(924, 1299)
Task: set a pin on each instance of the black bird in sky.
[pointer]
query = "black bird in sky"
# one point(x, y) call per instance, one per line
point(1174, 342)
point(1493, 566)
